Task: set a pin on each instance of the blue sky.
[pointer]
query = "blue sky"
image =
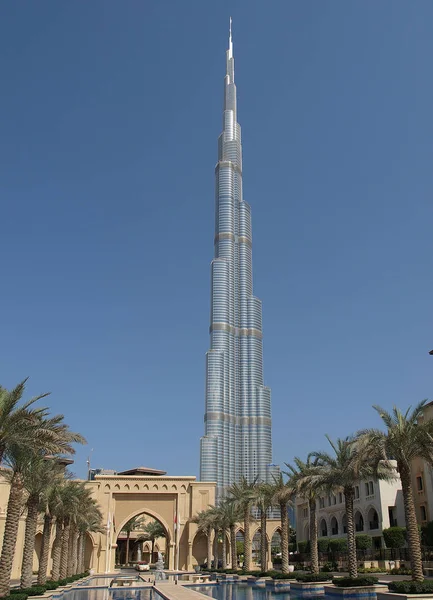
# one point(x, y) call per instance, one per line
point(110, 117)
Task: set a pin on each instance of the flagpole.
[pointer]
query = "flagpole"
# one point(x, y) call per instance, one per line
point(176, 565)
point(107, 547)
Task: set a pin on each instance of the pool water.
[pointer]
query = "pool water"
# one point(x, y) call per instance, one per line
point(239, 591)
point(111, 594)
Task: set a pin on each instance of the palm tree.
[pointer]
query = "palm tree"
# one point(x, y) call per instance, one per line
point(282, 494)
point(65, 508)
point(350, 462)
point(89, 518)
point(305, 477)
point(214, 518)
point(90, 521)
point(39, 473)
point(263, 500)
point(205, 525)
point(152, 531)
point(71, 496)
point(131, 525)
point(51, 499)
point(83, 498)
point(230, 516)
point(29, 427)
point(243, 495)
point(16, 457)
point(407, 437)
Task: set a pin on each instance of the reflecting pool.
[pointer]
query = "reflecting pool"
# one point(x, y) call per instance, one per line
point(239, 591)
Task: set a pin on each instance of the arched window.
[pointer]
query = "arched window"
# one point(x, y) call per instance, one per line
point(323, 528)
point(334, 526)
point(373, 519)
point(359, 521)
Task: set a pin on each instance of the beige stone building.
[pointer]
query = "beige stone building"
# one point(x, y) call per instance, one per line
point(377, 505)
point(171, 500)
point(422, 481)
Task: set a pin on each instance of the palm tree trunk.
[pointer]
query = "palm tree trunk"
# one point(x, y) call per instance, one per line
point(127, 548)
point(233, 547)
point(83, 554)
point(13, 514)
point(224, 557)
point(313, 537)
point(72, 553)
point(351, 542)
point(77, 555)
point(215, 549)
point(65, 549)
point(80, 553)
point(412, 532)
point(209, 548)
point(57, 551)
point(263, 539)
point(284, 537)
point(45, 550)
point(29, 542)
point(247, 538)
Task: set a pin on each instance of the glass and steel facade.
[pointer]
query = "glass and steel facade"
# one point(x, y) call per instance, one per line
point(237, 440)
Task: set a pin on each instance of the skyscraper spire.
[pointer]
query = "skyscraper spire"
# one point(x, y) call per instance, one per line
point(230, 40)
point(237, 441)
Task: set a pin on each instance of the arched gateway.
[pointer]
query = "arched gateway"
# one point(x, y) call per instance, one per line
point(172, 501)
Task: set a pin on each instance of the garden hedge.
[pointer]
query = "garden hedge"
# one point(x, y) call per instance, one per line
point(395, 537)
point(313, 577)
point(411, 587)
point(363, 541)
point(338, 545)
point(354, 582)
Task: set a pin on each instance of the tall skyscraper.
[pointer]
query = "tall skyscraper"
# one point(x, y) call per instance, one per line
point(237, 440)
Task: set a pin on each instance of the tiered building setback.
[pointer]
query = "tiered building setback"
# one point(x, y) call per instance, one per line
point(237, 440)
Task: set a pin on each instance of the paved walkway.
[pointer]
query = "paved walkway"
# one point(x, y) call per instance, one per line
point(170, 591)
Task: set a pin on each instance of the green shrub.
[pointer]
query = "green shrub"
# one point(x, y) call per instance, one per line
point(363, 541)
point(36, 590)
point(323, 544)
point(313, 577)
point(51, 585)
point(338, 545)
point(411, 587)
point(255, 573)
point(401, 571)
point(230, 571)
point(304, 546)
point(395, 537)
point(279, 575)
point(330, 566)
point(354, 582)
point(16, 596)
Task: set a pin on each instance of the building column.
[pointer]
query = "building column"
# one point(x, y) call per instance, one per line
point(171, 556)
point(189, 557)
point(269, 557)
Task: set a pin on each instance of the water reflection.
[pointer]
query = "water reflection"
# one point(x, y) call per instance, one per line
point(240, 591)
